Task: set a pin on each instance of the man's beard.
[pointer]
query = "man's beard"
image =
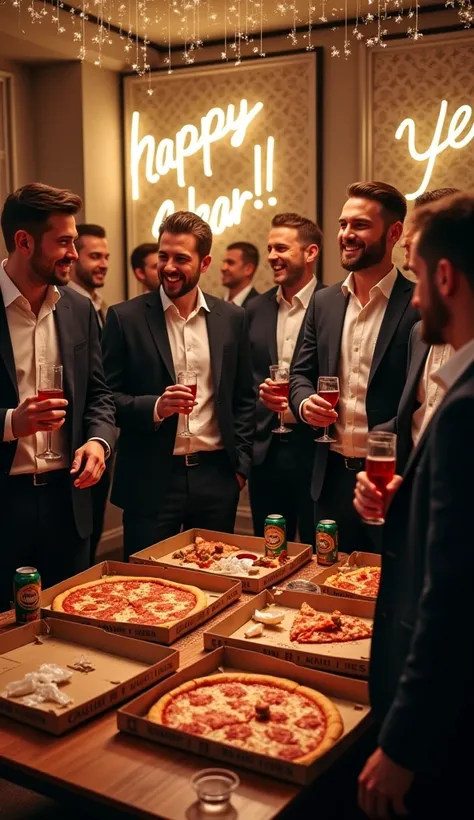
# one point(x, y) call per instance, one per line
point(434, 318)
point(50, 274)
point(173, 291)
point(370, 256)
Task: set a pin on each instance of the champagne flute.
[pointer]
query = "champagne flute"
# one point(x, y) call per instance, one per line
point(328, 389)
point(189, 379)
point(380, 466)
point(280, 375)
point(50, 387)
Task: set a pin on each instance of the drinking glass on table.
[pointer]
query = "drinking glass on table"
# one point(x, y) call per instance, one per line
point(189, 379)
point(280, 376)
point(50, 387)
point(328, 389)
point(380, 466)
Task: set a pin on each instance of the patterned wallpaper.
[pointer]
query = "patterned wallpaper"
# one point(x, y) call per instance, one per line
point(287, 88)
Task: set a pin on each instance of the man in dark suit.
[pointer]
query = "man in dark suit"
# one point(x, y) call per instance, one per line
point(424, 608)
point(164, 480)
point(45, 505)
point(358, 331)
point(238, 269)
point(282, 464)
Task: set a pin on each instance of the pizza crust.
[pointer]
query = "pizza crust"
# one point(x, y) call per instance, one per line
point(334, 723)
point(201, 597)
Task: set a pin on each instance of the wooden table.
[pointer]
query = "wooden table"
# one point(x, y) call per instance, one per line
point(135, 777)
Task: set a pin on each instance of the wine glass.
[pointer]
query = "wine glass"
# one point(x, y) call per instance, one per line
point(189, 379)
point(380, 466)
point(50, 387)
point(280, 375)
point(328, 389)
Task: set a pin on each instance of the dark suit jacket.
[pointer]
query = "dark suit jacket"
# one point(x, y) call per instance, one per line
point(421, 675)
point(90, 413)
point(319, 356)
point(262, 316)
point(250, 295)
point(401, 425)
point(139, 366)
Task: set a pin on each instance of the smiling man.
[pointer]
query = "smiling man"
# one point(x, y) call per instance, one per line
point(357, 330)
point(238, 270)
point(45, 505)
point(91, 266)
point(164, 480)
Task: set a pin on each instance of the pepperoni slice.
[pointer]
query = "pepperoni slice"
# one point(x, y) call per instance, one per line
point(193, 728)
point(216, 720)
point(309, 722)
point(278, 717)
point(280, 735)
point(274, 697)
point(290, 753)
point(232, 690)
point(239, 732)
point(199, 698)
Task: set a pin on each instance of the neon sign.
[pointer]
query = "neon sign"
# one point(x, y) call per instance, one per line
point(458, 124)
point(170, 155)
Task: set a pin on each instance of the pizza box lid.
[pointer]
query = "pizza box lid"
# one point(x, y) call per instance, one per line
point(161, 554)
point(351, 658)
point(349, 695)
point(355, 559)
point(221, 592)
point(122, 668)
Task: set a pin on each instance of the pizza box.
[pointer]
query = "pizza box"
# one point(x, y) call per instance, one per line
point(355, 559)
point(162, 553)
point(349, 695)
point(122, 668)
point(220, 591)
point(351, 658)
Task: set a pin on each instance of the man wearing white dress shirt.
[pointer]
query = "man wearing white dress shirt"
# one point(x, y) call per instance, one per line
point(163, 480)
point(357, 330)
point(238, 270)
point(89, 270)
point(45, 505)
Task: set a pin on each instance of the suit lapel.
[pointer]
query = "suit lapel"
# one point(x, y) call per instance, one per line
point(63, 318)
point(216, 326)
point(270, 317)
point(419, 356)
point(337, 312)
point(399, 299)
point(155, 317)
point(6, 350)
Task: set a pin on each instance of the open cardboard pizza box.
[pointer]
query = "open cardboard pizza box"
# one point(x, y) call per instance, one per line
point(122, 667)
point(161, 554)
point(350, 696)
point(220, 593)
point(351, 658)
point(355, 559)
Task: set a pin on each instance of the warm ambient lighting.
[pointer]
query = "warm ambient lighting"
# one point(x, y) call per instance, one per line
point(459, 122)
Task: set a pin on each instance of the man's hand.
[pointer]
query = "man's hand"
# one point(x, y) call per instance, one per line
point(34, 416)
point(92, 456)
point(369, 501)
point(177, 398)
point(383, 785)
point(318, 412)
point(242, 480)
point(268, 397)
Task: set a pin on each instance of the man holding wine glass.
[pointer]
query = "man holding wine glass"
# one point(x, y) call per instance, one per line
point(53, 443)
point(178, 363)
point(356, 334)
point(283, 452)
point(424, 607)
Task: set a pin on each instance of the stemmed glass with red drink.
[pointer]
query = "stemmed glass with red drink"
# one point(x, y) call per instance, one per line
point(280, 376)
point(380, 466)
point(328, 389)
point(189, 379)
point(50, 387)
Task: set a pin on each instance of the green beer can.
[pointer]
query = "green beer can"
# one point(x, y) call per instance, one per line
point(275, 535)
point(27, 593)
point(327, 540)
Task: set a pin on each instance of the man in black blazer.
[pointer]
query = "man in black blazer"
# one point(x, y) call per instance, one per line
point(164, 480)
point(45, 505)
point(424, 608)
point(358, 331)
point(238, 269)
point(282, 464)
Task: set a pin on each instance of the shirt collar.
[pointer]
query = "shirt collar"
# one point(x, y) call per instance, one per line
point(385, 285)
point(11, 293)
point(303, 296)
point(94, 297)
point(241, 296)
point(450, 372)
point(167, 303)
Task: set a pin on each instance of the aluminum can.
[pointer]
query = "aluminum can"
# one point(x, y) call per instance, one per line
point(27, 594)
point(275, 535)
point(327, 540)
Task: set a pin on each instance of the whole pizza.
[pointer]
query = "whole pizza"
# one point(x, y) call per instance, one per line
point(258, 713)
point(130, 599)
point(360, 581)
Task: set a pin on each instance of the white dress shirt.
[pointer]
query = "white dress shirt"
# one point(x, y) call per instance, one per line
point(240, 298)
point(95, 298)
point(453, 369)
point(430, 392)
point(359, 337)
point(289, 320)
point(189, 343)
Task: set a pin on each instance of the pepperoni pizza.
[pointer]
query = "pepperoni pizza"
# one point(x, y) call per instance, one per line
point(360, 581)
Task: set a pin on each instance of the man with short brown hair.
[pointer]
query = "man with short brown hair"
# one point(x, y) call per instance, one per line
point(238, 269)
point(144, 262)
